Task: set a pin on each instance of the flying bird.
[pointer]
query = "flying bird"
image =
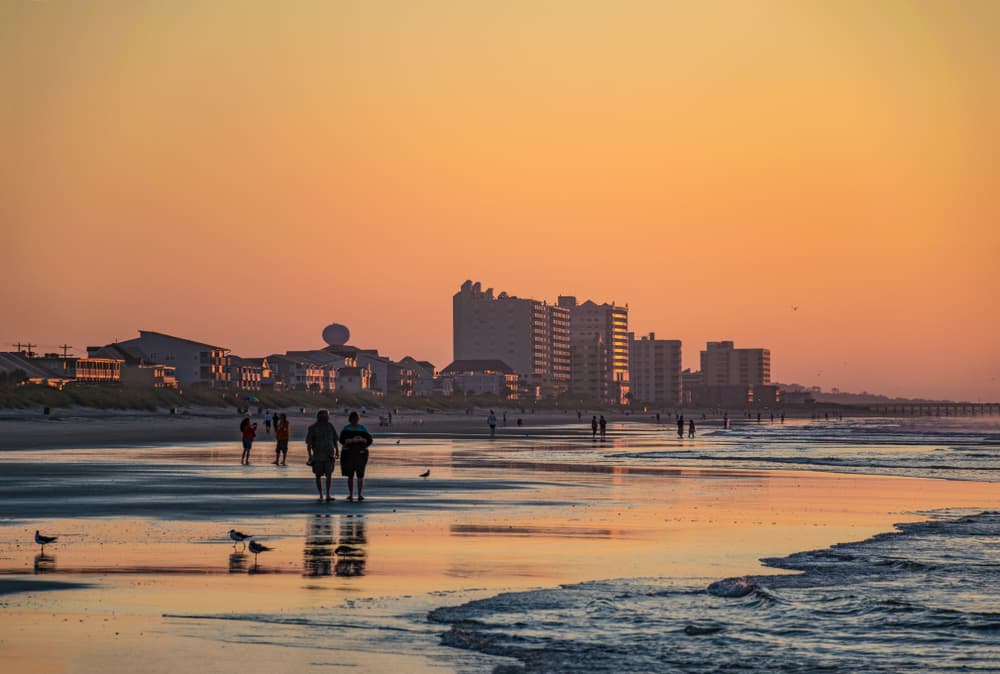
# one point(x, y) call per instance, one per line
point(239, 537)
point(426, 473)
point(795, 307)
point(44, 540)
point(256, 548)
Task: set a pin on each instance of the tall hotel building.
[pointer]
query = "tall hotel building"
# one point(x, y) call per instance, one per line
point(723, 365)
point(530, 336)
point(599, 354)
point(655, 369)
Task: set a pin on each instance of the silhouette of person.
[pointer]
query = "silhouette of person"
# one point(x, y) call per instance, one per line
point(593, 427)
point(492, 421)
point(691, 428)
point(355, 439)
point(604, 426)
point(321, 442)
point(680, 426)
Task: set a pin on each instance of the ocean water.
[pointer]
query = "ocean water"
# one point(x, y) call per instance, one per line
point(941, 447)
point(923, 599)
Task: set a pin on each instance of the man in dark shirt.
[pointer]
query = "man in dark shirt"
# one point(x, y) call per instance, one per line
point(355, 440)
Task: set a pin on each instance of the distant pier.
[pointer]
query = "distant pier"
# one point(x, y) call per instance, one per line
point(936, 409)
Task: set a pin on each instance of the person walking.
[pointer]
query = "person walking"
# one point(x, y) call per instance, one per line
point(680, 426)
point(249, 431)
point(593, 427)
point(691, 428)
point(604, 427)
point(321, 443)
point(355, 440)
point(492, 421)
point(282, 432)
point(267, 422)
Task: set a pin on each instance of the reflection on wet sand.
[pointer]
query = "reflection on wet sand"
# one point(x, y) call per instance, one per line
point(321, 558)
point(45, 563)
point(351, 552)
point(238, 562)
point(317, 555)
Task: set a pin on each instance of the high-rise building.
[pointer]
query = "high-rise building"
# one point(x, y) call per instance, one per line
point(724, 365)
point(530, 336)
point(598, 350)
point(654, 368)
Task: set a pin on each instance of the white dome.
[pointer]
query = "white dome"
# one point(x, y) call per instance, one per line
point(336, 334)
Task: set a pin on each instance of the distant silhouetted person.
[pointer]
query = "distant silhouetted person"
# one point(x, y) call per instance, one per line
point(249, 432)
point(657, 417)
point(492, 421)
point(725, 420)
point(579, 415)
point(691, 428)
point(281, 435)
point(604, 426)
point(593, 427)
point(267, 422)
point(355, 440)
point(520, 421)
point(782, 417)
point(504, 418)
point(680, 426)
point(758, 417)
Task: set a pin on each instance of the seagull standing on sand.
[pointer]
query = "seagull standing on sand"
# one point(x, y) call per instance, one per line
point(44, 540)
point(256, 548)
point(426, 473)
point(239, 537)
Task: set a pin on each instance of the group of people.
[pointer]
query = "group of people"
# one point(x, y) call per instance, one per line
point(248, 430)
point(324, 447)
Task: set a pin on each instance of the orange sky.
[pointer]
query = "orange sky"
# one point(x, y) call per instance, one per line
point(245, 172)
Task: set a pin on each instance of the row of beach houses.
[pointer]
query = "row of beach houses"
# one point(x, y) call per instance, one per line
point(158, 360)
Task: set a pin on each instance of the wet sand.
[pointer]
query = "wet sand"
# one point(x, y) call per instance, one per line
point(149, 581)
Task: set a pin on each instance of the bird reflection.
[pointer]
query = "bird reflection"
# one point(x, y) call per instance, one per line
point(351, 555)
point(45, 563)
point(238, 562)
point(318, 552)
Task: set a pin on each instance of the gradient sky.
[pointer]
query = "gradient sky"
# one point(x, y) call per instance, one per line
point(245, 172)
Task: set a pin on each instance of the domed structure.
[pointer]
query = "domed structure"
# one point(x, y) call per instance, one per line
point(336, 334)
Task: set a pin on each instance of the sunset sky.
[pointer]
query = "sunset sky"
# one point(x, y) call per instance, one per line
point(243, 173)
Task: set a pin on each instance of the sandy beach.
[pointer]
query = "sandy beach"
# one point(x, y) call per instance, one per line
point(144, 578)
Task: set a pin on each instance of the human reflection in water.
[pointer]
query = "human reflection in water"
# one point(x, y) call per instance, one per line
point(238, 562)
point(45, 563)
point(351, 552)
point(318, 552)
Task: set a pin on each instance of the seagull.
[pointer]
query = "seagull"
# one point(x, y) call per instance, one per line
point(426, 473)
point(44, 540)
point(256, 548)
point(238, 537)
point(397, 442)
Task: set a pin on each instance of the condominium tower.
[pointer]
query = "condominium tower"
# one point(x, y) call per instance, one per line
point(654, 368)
point(724, 365)
point(599, 355)
point(530, 336)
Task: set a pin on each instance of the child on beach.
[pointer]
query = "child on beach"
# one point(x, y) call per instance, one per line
point(249, 431)
point(355, 440)
point(281, 435)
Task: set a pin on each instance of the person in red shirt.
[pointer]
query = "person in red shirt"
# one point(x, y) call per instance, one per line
point(249, 431)
point(281, 434)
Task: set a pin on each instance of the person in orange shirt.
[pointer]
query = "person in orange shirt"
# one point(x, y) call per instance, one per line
point(281, 434)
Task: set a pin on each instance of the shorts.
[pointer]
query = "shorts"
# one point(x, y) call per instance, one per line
point(247, 444)
point(282, 446)
point(353, 462)
point(322, 467)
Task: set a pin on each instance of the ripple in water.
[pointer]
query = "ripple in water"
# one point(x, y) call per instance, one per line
point(925, 598)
